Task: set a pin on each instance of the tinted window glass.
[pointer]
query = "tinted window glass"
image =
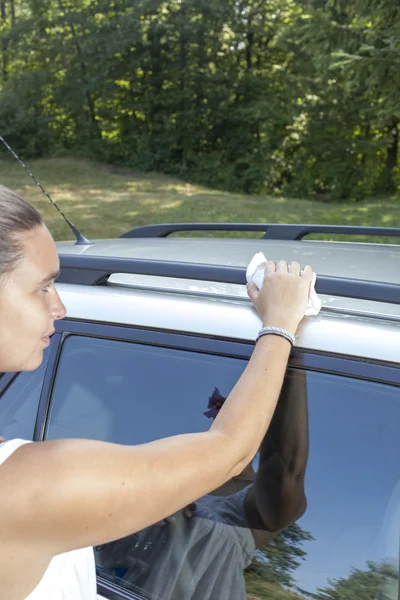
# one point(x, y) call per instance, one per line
point(19, 403)
point(132, 393)
point(346, 544)
point(353, 490)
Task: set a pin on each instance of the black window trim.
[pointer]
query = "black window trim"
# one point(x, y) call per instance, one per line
point(48, 381)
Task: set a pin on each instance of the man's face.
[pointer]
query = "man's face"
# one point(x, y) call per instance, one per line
point(29, 303)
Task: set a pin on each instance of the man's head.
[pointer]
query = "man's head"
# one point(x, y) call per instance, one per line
point(29, 302)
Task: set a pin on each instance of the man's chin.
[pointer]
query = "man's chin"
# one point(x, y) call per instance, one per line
point(33, 362)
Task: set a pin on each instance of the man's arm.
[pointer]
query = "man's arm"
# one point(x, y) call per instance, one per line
point(277, 498)
point(67, 494)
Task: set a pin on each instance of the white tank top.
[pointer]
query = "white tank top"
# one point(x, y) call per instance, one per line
point(69, 576)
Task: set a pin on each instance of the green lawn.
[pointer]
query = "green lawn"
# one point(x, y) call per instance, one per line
point(104, 201)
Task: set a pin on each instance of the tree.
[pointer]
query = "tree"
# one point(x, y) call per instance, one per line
point(293, 96)
point(360, 88)
point(276, 561)
point(377, 582)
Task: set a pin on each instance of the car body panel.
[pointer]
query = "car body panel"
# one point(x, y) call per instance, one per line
point(346, 334)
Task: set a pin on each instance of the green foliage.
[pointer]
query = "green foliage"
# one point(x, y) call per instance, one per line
point(377, 582)
point(24, 126)
point(276, 561)
point(300, 97)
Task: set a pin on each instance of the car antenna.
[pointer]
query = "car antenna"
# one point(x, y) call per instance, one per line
point(80, 238)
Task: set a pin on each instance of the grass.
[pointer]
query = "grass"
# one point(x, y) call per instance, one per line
point(104, 201)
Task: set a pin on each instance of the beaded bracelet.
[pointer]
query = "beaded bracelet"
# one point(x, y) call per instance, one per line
point(276, 331)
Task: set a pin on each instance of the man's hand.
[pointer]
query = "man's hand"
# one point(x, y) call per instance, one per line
point(283, 299)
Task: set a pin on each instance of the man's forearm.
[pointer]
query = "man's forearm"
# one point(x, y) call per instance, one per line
point(246, 422)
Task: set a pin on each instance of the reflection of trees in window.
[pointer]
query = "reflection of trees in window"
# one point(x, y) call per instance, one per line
point(269, 577)
point(377, 582)
point(270, 573)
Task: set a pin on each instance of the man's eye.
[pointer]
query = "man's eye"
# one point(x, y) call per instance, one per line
point(47, 287)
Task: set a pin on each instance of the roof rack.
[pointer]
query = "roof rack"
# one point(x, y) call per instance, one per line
point(95, 270)
point(273, 231)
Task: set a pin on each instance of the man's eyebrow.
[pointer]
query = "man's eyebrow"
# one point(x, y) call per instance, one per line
point(50, 277)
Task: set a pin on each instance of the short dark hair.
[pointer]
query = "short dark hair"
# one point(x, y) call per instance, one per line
point(16, 216)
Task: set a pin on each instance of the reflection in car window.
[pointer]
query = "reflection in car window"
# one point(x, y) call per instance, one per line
point(352, 485)
point(19, 403)
point(345, 545)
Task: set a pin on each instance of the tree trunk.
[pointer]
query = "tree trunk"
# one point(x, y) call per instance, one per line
point(183, 106)
point(12, 6)
point(89, 98)
point(392, 156)
point(4, 66)
point(393, 150)
point(249, 50)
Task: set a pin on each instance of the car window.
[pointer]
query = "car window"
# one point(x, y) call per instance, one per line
point(103, 387)
point(346, 544)
point(353, 490)
point(19, 403)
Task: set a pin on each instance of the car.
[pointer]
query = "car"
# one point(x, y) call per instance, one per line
point(159, 328)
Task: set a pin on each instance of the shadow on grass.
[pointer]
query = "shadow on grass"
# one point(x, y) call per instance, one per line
point(104, 203)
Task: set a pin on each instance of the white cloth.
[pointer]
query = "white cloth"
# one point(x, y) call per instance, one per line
point(255, 274)
point(69, 576)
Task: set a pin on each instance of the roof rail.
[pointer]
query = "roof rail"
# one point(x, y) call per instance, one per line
point(273, 231)
point(94, 270)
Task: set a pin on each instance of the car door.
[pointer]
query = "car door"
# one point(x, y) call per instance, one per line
point(132, 386)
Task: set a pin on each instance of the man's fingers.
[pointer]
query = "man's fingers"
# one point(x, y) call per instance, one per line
point(307, 272)
point(294, 268)
point(282, 266)
point(270, 267)
point(252, 291)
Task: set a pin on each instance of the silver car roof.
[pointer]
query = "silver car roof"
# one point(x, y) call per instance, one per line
point(350, 327)
point(378, 262)
point(374, 262)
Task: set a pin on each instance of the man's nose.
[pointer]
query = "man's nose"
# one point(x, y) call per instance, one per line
point(58, 310)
